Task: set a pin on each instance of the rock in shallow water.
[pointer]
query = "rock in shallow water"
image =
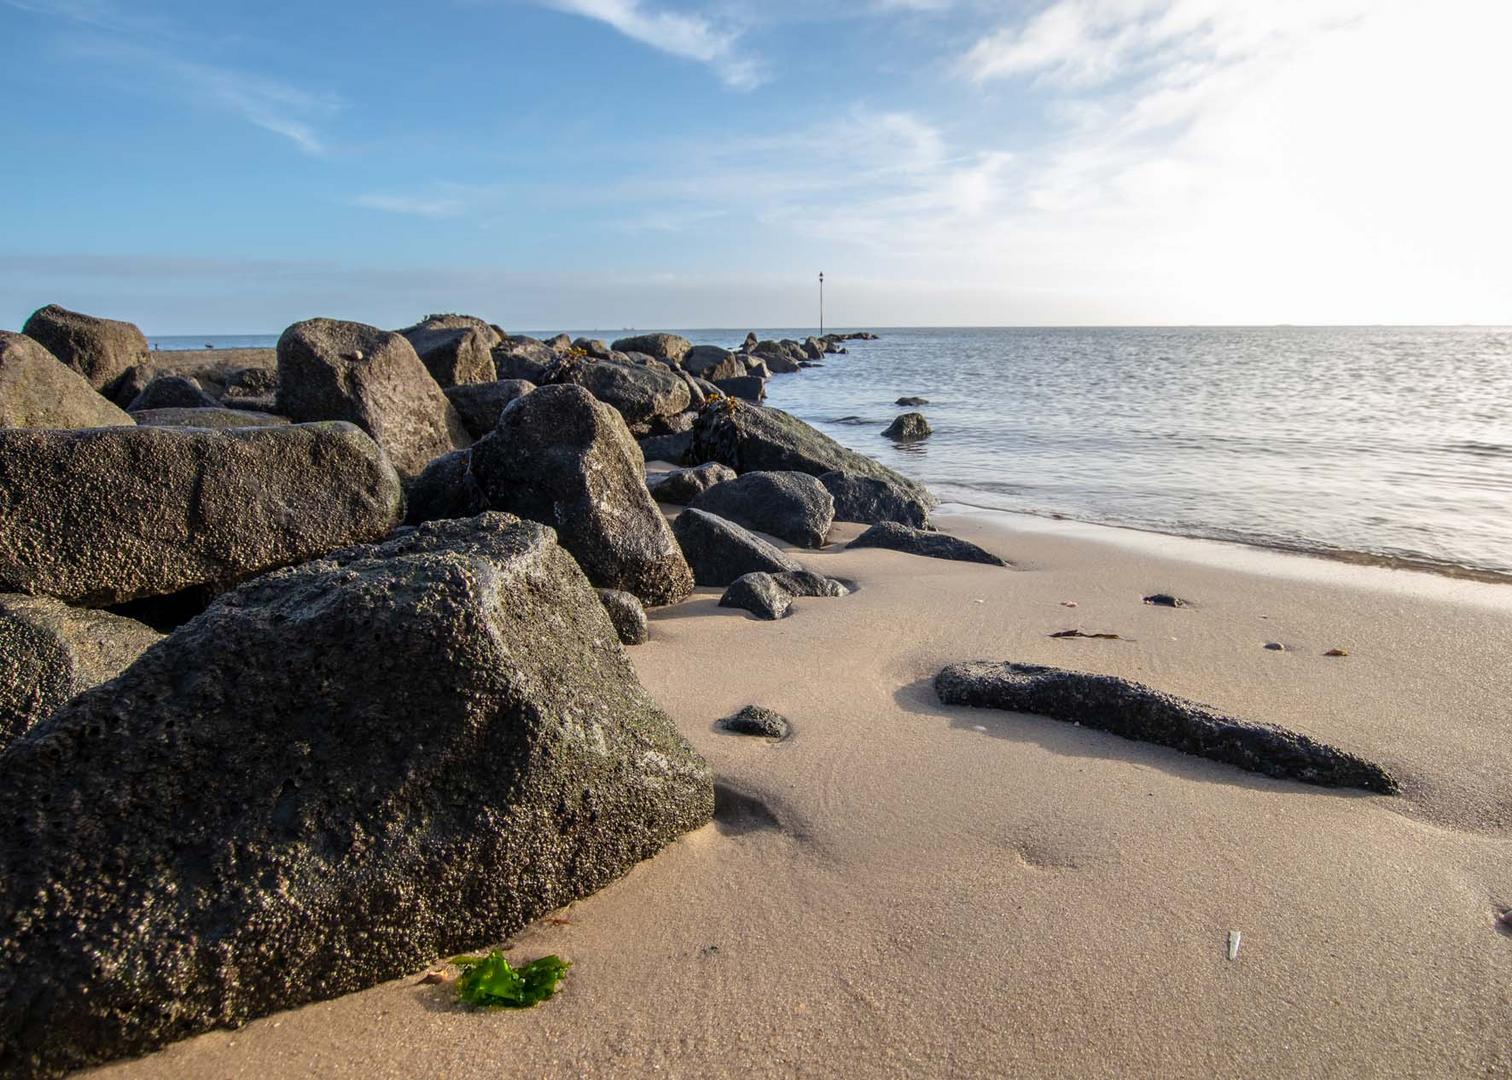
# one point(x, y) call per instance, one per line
point(108, 515)
point(49, 652)
point(336, 774)
point(909, 426)
point(1137, 712)
point(931, 545)
point(753, 438)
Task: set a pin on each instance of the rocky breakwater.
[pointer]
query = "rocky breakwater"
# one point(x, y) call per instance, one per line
point(347, 747)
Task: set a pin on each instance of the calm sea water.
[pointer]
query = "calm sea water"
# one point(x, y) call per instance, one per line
point(1388, 442)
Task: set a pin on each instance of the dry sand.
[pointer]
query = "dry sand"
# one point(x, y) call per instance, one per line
point(904, 889)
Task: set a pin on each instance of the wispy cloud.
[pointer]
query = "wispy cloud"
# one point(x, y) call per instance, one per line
point(152, 52)
point(445, 201)
point(691, 36)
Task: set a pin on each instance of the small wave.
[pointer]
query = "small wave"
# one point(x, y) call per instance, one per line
point(1480, 449)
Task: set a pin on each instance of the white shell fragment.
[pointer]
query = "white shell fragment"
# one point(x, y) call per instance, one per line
point(1233, 944)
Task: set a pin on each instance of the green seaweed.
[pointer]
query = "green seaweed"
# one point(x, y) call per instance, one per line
point(490, 982)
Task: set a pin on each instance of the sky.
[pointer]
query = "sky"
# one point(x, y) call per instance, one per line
point(232, 166)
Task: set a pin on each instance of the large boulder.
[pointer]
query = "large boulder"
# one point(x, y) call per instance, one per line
point(172, 392)
point(333, 776)
point(638, 393)
point(332, 370)
point(791, 505)
point(720, 551)
point(868, 500)
point(480, 404)
point(711, 362)
point(456, 349)
point(108, 515)
point(668, 347)
point(50, 652)
point(930, 544)
point(98, 349)
point(560, 457)
point(752, 438)
point(685, 485)
point(219, 419)
point(37, 391)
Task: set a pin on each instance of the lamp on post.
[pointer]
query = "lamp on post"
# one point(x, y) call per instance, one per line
point(821, 303)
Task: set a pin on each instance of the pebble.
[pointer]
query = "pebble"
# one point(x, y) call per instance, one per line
point(1275, 646)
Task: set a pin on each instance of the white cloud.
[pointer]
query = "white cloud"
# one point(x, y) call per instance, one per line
point(1209, 161)
point(693, 37)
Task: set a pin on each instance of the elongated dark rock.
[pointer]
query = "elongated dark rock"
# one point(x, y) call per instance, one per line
point(1137, 712)
point(931, 545)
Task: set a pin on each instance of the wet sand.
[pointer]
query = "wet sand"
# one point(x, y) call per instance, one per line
point(903, 888)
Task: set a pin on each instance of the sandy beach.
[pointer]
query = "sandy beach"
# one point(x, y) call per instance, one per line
point(903, 888)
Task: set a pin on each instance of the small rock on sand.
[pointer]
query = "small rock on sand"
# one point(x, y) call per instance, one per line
point(755, 720)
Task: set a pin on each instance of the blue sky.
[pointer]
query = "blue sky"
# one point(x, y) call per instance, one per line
point(235, 166)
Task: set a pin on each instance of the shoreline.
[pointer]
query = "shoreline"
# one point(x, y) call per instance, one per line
point(1337, 556)
point(903, 887)
point(188, 358)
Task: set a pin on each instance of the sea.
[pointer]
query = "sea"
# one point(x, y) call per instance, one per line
point(1386, 444)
